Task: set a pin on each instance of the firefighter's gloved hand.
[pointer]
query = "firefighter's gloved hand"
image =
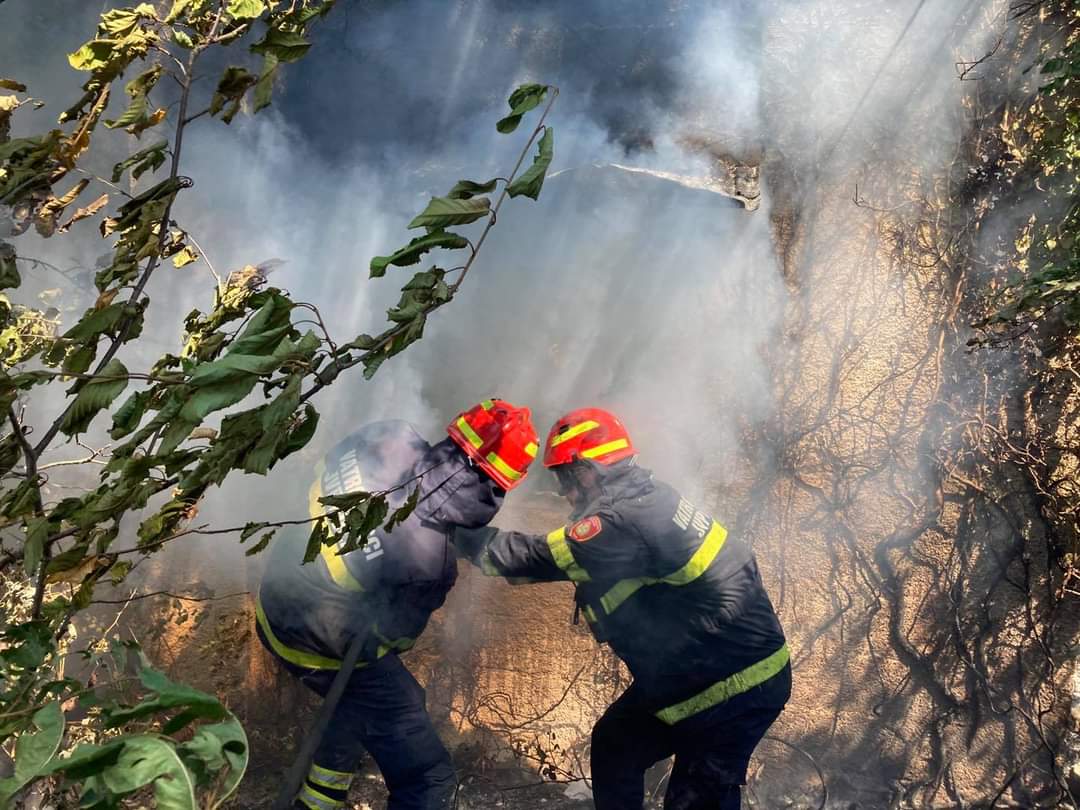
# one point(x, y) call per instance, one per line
point(471, 543)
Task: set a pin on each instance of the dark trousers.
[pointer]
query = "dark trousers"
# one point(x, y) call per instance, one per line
point(712, 749)
point(383, 711)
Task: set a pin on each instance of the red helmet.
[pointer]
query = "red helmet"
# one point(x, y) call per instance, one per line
point(588, 433)
point(499, 437)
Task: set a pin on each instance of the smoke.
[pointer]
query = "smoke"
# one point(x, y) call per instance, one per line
point(685, 314)
point(616, 290)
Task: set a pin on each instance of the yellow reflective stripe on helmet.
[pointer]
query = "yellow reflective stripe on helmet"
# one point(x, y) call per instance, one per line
point(576, 430)
point(300, 658)
point(310, 797)
point(487, 404)
point(604, 449)
point(469, 433)
point(742, 681)
point(336, 780)
point(530, 449)
point(697, 565)
point(503, 467)
point(564, 558)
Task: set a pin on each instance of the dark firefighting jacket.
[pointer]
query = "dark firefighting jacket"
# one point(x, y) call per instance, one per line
point(677, 598)
point(386, 591)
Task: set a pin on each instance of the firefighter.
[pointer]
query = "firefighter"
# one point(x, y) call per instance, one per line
point(384, 593)
point(680, 602)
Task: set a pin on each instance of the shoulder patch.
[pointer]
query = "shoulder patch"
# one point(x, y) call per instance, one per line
point(585, 529)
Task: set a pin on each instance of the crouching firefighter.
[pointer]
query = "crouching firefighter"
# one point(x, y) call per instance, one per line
point(679, 601)
point(384, 593)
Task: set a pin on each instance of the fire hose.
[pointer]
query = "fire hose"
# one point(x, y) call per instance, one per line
point(297, 772)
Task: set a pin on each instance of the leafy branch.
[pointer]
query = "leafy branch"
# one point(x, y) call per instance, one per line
point(248, 362)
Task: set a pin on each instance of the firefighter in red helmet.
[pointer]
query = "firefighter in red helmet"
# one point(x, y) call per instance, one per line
point(384, 593)
point(679, 600)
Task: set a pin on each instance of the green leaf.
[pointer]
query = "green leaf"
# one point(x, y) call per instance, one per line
point(264, 541)
point(94, 396)
point(94, 55)
point(411, 253)
point(149, 159)
point(287, 46)
point(443, 211)
point(265, 86)
point(178, 9)
point(23, 499)
point(146, 760)
point(37, 532)
point(127, 417)
point(250, 529)
point(362, 520)
point(465, 189)
point(525, 98)
point(532, 179)
point(302, 432)
point(245, 9)
point(232, 86)
point(182, 39)
point(402, 512)
point(137, 117)
point(169, 695)
point(95, 322)
point(347, 500)
point(316, 540)
point(9, 271)
point(35, 750)
point(219, 746)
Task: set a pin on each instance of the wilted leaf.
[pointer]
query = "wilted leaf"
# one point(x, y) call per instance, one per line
point(55, 206)
point(411, 253)
point(184, 257)
point(83, 213)
point(443, 211)
point(532, 179)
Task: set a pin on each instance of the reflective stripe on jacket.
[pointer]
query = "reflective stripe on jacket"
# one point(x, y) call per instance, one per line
point(677, 598)
point(386, 591)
